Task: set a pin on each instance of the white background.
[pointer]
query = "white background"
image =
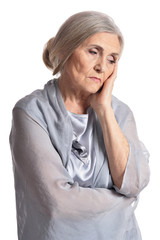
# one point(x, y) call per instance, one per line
point(25, 28)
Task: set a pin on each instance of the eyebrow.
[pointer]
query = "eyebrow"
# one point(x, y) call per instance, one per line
point(102, 49)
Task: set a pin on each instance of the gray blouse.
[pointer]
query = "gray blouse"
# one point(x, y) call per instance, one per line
point(53, 202)
point(82, 160)
point(81, 168)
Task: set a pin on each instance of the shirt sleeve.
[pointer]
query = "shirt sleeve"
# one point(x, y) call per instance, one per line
point(137, 171)
point(40, 172)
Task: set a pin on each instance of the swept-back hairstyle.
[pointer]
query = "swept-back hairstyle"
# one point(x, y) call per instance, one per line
point(72, 33)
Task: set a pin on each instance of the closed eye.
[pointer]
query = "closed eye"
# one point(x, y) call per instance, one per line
point(93, 52)
point(111, 59)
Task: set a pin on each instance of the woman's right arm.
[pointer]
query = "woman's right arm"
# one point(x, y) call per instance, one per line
point(40, 168)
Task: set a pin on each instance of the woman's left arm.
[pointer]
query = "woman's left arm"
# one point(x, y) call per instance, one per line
point(116, 141)
point(116, 144)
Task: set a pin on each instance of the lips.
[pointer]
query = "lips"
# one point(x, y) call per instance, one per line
point(95, 79)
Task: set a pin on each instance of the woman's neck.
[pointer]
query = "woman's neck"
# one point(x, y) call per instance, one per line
point(75, 100)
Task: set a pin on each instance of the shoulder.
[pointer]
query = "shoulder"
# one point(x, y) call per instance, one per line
point(38, 97)
point(38, 103)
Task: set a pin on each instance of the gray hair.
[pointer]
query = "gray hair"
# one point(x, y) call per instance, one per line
point(72, 33)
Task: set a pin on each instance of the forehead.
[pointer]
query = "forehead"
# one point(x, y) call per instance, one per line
point(106, 41)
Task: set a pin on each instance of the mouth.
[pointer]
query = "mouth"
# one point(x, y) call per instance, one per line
point(95, 79)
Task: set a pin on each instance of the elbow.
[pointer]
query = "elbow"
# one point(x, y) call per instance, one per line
point(138, 184)
point(137, 175)
point(142, 179)
point(132, 185)
point(62, 201)
point(136, 190)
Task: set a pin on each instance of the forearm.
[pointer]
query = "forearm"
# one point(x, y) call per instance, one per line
point(116, 144)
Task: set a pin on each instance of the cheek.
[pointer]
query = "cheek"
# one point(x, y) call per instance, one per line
point(77, 65)
point(83, 64)
point(83, 67)
point(109, 71)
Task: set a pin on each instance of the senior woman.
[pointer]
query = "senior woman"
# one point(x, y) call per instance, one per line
point(78, 163)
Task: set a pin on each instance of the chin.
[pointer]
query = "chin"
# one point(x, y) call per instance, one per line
point(95, 90)
point(92, 89)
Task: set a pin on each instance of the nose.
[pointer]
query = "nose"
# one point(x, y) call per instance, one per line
point(100, 66)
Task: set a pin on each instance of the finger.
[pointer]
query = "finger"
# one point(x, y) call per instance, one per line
point(114, 74)
point(109, 82)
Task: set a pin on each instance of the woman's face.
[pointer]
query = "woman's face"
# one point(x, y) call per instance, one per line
point(92, 62)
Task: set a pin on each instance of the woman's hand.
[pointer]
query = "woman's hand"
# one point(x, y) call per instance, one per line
point(101, 101)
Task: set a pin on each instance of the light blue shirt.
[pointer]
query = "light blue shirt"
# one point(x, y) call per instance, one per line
point(51, 204)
